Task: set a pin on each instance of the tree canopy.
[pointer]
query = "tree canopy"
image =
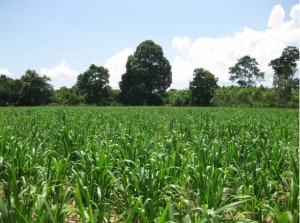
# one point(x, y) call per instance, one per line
point(148, 75)
point(202, 87)
point(93, 85)
point(6, 90)
point(66, 96)
point(285, 68)
point(245, 71)
point(30, 90)
point(34, 89)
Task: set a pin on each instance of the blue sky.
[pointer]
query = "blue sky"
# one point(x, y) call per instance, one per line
point(61, 38)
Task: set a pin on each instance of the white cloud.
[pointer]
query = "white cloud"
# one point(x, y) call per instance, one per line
point(5, 72)
point(295, 14)
point(181, 43)
point(116, 66)
point(61, 75)
point(218, 54)
point(60, 71)
point(276, 18)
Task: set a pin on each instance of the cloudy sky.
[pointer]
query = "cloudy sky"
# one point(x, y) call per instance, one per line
point(61, 38)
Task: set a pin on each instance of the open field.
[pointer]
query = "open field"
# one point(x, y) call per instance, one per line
point(148, 164)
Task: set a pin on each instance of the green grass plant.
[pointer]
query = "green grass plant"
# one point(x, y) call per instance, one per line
point(148, 164)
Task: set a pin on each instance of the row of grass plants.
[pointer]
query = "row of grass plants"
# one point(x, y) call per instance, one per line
point(148, 164)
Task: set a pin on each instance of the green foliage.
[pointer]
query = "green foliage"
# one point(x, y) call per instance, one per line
point(285, 68)
point(236, 96)
point(178, 97)
point(148, 75)
point(246, 71)
point(154, 164)
point(66, 96)
point(92, 85)
point(115, 97)
point(34, 89)
point(31, 90)
point(6, 90)
point(202, 87)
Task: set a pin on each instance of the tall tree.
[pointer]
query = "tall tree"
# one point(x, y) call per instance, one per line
point(202, 87)
point(285, 68)
point(148, 75)
point(246, 72)
point(34, 89)
point(92, 85)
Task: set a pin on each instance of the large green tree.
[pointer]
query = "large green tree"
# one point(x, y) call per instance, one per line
point(34, 89)
point(285, 68)
point(148, 75)
point(93, 85)
point(246, 72)
point(202, 87)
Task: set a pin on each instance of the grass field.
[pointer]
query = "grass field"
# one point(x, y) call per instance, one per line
point(148, 164)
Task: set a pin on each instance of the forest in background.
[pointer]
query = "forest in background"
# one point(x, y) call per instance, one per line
point(147, 81)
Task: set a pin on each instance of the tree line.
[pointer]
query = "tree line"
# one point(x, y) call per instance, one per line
point(148, 76)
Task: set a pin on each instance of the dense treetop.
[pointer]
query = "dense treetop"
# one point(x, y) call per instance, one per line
point(202, 87)
point(246, 72)
point(93, 85)
point(148, 75)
